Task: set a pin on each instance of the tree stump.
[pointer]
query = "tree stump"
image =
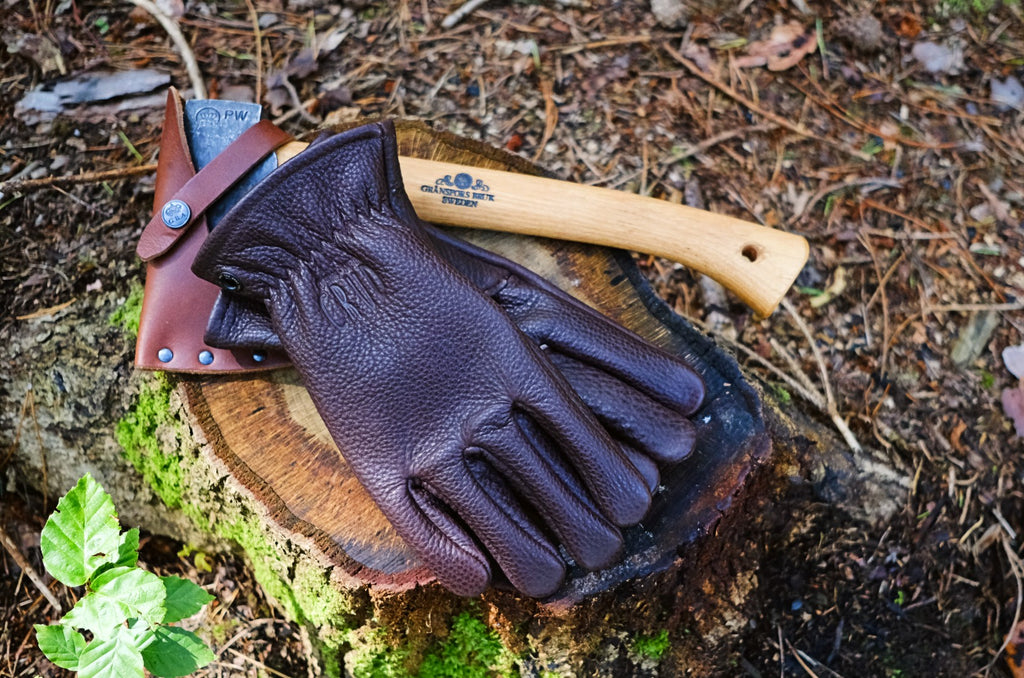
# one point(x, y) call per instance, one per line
point(267, 431)
point(245, 462)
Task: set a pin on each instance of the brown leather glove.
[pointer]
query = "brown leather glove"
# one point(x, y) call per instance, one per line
point(461, 430)
point(640, 394)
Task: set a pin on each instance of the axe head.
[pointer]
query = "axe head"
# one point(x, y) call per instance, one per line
point(210, 127)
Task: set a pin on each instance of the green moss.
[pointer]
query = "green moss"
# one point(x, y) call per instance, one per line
point(472, 650)
point(653, 646)
point(306, 595)
point(966, 8)
point(128, 314)
point(372, 657)
point(137, 433)
point(781, 394)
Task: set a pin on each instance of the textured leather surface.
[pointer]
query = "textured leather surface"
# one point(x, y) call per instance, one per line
point(642, 395)
point(176, 303)
point(472, 444)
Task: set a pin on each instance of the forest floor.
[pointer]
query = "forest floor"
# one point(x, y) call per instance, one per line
point(890, 135)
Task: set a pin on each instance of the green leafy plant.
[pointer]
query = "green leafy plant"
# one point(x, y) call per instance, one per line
point(125, 610)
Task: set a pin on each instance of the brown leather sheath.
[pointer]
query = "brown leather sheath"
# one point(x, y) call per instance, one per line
point(176, 304)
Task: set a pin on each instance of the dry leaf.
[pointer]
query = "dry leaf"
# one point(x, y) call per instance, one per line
point(1013, 358)
point(909, 26)
point(1013, 406)
point(784, 48)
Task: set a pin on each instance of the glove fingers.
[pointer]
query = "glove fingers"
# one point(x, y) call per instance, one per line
point(567, 326)
point(615, 485)
point(664, 434)
point(524, 455)
point(645, 466)
point(430, 529)
point(550, 316)
point(494, 515)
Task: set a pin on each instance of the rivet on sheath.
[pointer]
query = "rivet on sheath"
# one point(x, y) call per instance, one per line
point(205, 357)
point(165, 355)
point(258, 357)
point(175, 213)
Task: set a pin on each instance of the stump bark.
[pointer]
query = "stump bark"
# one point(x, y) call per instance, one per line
point(245, 462)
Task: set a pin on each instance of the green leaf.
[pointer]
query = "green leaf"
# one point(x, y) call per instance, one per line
point(175, 652)
point(183, 598)
point(115, 657)
point(202, 562)
point(61, 644)
point(128, 549)
point(117, 595)
point(81, 535)
point(127, 552)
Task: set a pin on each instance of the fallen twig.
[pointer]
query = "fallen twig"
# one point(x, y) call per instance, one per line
point(258, 37)
point(550, 116)
point(799, 385)
point(883, 279)
point(703, 146)
point(461, 13)
point(28, 185)
point(1017, 569)
point(169, 25)
point(257, 663)
point(612, 41)
point(840, 185)
point(968, 308)
point(803, 659)
point(26, 567)
point(830, 401)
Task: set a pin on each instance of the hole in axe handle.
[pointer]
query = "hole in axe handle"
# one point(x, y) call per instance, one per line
point(750, 252)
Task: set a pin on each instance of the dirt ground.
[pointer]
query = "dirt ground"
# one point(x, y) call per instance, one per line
point(889, 134)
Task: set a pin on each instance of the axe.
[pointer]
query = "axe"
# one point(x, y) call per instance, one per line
point(757, 263)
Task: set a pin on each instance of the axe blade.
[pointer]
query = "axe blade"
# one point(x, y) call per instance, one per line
point(210, 127)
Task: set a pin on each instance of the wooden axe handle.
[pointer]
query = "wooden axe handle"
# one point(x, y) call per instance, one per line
point(756, 263)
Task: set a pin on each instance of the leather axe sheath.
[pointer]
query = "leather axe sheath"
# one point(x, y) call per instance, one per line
point(176, 304)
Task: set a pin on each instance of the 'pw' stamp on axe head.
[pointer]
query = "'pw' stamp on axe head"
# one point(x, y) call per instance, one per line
point(210, 127)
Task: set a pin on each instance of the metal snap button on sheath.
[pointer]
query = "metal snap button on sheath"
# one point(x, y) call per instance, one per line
point(165, 355)
point(175, 213)
point(205, 357)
